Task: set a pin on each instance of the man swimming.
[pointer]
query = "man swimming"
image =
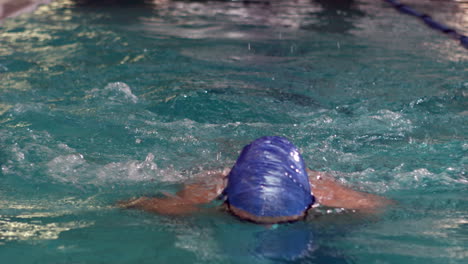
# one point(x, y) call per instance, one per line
point(268, 184)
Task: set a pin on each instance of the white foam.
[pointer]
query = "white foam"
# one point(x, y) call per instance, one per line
point(66, 168)
point(74, 169)
point(136, 171)
point(419, 178)
point(115, 93)
point(28, 107)
point(393, 119)
point(129, 171)
point(397, 179)
point(122, 91)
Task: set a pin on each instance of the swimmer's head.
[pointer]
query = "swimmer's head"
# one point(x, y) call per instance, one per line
point(269, 183)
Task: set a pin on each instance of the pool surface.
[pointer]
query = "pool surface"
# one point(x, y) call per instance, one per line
point(103, 103)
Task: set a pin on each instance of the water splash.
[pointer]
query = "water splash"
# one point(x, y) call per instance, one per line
point(114, 93)
point(66, 168)
point(133, 171)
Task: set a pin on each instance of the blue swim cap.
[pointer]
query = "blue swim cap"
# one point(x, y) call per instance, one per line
point(269, 180)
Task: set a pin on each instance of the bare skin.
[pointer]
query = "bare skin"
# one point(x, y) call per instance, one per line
point(330, 193)
point(209, 186)
point(327, 191)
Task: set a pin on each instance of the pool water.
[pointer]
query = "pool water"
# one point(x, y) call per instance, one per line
point(103, 103)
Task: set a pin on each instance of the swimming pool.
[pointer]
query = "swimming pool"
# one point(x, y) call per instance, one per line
point(100, 104)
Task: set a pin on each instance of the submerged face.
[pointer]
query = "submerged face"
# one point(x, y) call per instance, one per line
point(269, 183)
point(263, 219)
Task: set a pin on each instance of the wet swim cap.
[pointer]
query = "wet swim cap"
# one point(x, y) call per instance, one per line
point(269, 180)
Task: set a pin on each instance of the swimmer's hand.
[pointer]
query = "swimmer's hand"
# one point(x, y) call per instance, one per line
point(331, 193)
point(208, 187)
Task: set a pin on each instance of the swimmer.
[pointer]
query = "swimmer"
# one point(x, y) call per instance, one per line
point(268, 184)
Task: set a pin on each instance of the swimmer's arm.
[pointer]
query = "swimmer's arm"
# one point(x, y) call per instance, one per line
point(209, 187)
point(329, 192)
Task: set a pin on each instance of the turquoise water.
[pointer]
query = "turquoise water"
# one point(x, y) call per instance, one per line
point(100, 104)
